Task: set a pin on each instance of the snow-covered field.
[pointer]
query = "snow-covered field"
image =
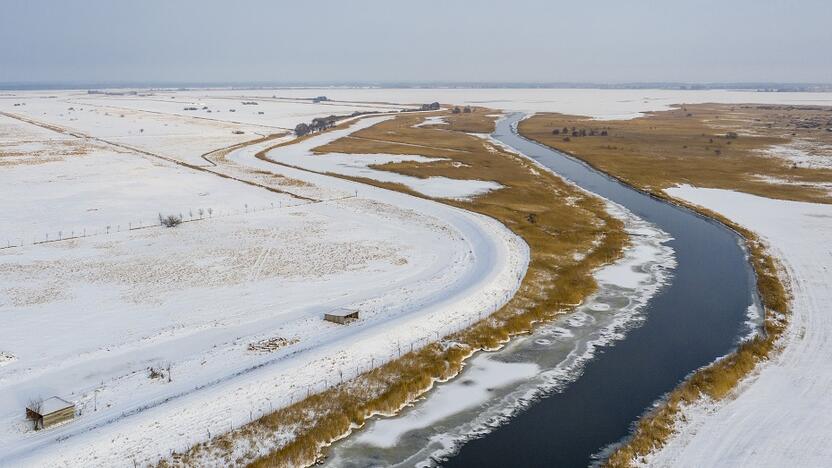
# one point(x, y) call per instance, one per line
point(158, 122)
point(87, 318)
point(598, 103)
point(782, 414)
point(162, 337)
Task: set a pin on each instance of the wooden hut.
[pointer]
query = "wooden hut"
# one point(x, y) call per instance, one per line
point(51, 411)
point(341, 316)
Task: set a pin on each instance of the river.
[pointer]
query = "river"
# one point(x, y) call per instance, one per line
point(553, 399)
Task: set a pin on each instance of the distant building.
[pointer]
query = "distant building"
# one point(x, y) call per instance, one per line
point(341, 316)
point(50, 412)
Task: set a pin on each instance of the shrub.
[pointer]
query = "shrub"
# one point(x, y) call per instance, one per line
point(301, 129)
point(170, 220)
point(35, 405)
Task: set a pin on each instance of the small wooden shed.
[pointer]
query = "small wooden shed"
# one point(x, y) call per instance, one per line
point(51, 411)
point(342, 316)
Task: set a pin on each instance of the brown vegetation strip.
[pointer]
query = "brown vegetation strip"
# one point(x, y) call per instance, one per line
point(569, 232)
point(647, 162)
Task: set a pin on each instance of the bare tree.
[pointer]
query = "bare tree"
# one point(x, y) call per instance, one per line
point(170, 220)
point(33, 411)
point(301, 129)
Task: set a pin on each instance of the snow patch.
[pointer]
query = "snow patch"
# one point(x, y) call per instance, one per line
point(779, 416)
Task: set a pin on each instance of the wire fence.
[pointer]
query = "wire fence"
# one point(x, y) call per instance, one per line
point(188, 216)
point(236, 415)
point(398, 348)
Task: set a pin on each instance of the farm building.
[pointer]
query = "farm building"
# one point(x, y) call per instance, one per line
point(341, 316)
point(50, 412)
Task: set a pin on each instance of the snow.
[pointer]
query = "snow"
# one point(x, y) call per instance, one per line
point(357, 165)
point(803, 153)
point(780, 415)
point(607, 104)
point(434, 120)
point(623, 274)
point(103, 187)
point(160, 125)
point(482, 376)
point(50, 405)
point(191, 299)
point(526, 369)
point(781, 181)
point(264, 266)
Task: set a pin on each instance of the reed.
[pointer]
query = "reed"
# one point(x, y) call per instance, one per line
point(651, 174)
point(570, 236)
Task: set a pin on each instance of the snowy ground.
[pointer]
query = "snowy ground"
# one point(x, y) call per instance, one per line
point(158, 122)
point(85, 318)
point(204, 299)
point(780, 416)
point(357, 165)
point(598, 103)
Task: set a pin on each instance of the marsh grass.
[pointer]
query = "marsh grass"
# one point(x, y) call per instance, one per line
point(706, 145)
point(570, 235)
point(651, 174)
point(719, 379)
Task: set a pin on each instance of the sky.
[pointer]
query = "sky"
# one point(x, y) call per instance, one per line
point(603, 41)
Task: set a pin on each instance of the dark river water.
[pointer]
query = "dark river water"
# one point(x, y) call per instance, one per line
point(698, 314)
point(695, 319)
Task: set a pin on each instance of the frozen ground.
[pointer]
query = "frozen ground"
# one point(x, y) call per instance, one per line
point(163, 337)
point(780, 416)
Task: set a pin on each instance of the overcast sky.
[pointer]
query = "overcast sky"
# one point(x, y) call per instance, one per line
point(415, 40)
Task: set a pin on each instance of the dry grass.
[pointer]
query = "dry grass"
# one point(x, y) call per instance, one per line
point(478, 121)
point(690, 145)
point(555, 219)
point(719, 379)
point(643, 153)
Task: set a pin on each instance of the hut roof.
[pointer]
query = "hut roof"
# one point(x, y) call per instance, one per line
point(342, 312)
point(50, 405)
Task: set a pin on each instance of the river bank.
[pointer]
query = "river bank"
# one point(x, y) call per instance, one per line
point(684, 331)
point(568, 241)
point(495, 386)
